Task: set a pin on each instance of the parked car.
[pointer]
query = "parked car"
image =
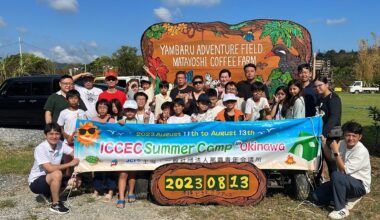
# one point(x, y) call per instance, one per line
point(22, 98)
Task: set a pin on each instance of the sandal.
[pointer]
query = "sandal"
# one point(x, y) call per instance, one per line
point(120, 204)
point(131, 198)
point(107, 198)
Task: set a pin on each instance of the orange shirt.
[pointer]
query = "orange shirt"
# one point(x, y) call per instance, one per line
point(220, 116)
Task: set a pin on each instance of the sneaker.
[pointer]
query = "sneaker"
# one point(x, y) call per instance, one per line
point(339, 214)
point(352, 202)
point(59, 208)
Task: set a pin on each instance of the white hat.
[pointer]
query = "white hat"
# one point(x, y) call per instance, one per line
point(229, 96)
point(132, 104)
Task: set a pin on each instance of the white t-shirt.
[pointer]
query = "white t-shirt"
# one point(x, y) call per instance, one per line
point(160, 99)
point(357, 163)
point(150, 93)
point(176, 120)
point(213, 112)
point(45, 154)
point(89, 97)
point(140, 118)
point(68, 119)
point(202, 117)
point(254, 108)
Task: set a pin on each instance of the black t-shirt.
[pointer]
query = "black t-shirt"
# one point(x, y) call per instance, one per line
point(244, 90)
point(330, 107)
point(176, 91)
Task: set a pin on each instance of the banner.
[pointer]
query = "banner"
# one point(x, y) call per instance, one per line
point(285, 144)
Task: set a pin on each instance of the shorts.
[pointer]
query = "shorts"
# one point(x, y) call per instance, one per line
point(40, 186)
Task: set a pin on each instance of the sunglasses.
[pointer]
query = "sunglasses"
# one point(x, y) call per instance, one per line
point(83, 131)
point(111, 79)
point(197, 82)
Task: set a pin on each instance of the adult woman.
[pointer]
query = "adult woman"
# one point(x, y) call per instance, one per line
point(329, 106)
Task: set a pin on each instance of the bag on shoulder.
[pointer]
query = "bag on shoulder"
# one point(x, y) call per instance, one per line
point(336, 132)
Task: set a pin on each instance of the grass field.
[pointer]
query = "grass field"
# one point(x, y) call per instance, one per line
point(276, 205)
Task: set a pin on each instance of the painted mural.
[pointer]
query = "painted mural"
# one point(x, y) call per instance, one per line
point(277, 47)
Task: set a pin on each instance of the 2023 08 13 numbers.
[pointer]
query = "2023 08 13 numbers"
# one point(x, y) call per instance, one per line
point(209, 182)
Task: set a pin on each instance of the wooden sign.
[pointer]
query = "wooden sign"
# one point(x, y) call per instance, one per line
point(208, 183)
point(277, 47)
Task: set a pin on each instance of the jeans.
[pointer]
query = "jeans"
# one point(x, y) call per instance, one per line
point(339, 189)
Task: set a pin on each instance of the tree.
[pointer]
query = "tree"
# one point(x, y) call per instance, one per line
point(366, 67)
point(127, 61)
point(100, 65)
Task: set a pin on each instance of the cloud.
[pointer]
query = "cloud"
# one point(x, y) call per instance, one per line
point(64, 5)
point(336, 21)
point(72, 54)
point(91, 44)
point(38, 53)
point(60, 54)
point(163, 14)
point(22, 30)
point(2, 22)
point(206, 3)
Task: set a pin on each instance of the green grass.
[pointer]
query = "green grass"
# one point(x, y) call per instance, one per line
point(16, 161)
point(8, 203)
point(355, 107)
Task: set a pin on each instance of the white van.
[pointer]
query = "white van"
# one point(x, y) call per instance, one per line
point(122, 80)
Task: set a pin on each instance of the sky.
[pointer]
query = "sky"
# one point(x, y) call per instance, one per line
point(71, 31)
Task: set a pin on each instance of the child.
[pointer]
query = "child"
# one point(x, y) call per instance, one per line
point(179, 116)
point(166, 113)
point(132, 88)
point(231, 87)
point(130, 110)
point(296, 105)
point(103, 180)
point(103, 108)
point(68, 118)
point(143, 116)
point(230, 113)
point(213, 108)
point(257, 103)
point(159, 99)
point(200, 114)
point(116, 109)
point(279, 100)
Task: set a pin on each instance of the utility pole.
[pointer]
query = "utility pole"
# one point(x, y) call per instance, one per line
point(21, 63)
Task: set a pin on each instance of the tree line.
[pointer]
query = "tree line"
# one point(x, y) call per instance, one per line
point(346, 66)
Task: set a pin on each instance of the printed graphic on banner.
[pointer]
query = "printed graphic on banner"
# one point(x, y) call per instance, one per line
point(286, 144)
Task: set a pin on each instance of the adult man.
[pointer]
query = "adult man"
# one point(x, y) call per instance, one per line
point(46, 174)
point(112, 92)
point(352, 179)
point(308, 92)
point(89, 94)
point(57, 101)
point(244, 86)
point(182, 89)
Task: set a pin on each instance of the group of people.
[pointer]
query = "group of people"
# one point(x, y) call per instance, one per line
point(247, 100)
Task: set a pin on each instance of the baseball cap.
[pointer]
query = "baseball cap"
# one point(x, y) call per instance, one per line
point(132, 104)
point(145, 79)
point(111, 74)
point(203, 98)
point(89, 75)
point(229, 96)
